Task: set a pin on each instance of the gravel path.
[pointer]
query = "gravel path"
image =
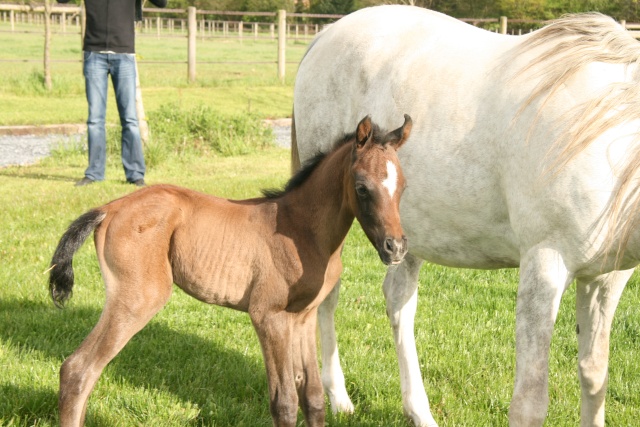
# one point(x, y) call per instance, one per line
point(28, 149)
point(24, 145)
point(282, 131)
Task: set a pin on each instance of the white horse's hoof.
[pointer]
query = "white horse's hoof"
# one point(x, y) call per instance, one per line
point(341, 404)
point(421, 418)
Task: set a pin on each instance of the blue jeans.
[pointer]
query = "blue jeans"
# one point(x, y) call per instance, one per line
point(122, 68)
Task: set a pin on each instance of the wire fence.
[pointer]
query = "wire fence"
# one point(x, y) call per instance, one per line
point(202, 25)
point(194, 25)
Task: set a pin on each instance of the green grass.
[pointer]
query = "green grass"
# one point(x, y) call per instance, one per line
point(199, 365)
point(231, 88)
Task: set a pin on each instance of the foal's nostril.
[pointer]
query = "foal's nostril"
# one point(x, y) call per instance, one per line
point(393, 250)
point(395, 247)
point(389, 245)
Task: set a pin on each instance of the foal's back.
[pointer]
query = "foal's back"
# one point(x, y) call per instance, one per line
point(205, 244)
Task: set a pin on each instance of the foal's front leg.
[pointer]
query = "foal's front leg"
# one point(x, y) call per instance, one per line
point(275, 331)
point(596, 304)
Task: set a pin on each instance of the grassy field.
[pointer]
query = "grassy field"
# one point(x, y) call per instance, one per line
point(198, 365)
point(201, 365)
point(232, 88)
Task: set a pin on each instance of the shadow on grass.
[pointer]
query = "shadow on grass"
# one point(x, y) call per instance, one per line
point(40, 176)
point(197, 371)
point(222, 384)
point(35, 404)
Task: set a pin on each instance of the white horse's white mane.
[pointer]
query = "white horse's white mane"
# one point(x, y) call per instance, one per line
point(568, 45)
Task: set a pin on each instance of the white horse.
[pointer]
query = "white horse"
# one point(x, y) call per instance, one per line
point(524, 154)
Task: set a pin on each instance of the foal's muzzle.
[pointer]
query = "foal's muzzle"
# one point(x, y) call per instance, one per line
point(393, 250)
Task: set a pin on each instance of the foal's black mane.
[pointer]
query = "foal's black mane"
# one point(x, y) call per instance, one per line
point(310, 165)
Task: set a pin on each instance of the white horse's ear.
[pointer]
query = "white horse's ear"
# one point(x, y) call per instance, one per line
point(364, 132)
point(399, 136)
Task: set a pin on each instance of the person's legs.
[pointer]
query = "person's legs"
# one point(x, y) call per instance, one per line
point(123, 76)
point(96, 71)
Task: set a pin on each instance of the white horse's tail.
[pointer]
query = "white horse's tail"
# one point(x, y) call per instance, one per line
point(295, 156)
point(573, 42)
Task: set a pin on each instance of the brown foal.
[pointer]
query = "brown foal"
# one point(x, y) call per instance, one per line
point(274, 257)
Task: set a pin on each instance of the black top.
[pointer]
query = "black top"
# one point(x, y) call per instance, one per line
point(110, 24)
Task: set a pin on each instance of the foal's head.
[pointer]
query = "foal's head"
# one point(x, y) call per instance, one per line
point(375, 186)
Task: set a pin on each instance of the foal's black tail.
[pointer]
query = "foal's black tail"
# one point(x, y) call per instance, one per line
point(61, 269)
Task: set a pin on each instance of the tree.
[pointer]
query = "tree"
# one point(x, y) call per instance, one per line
point(523, 9)
point(340, 7)
point(268, 5)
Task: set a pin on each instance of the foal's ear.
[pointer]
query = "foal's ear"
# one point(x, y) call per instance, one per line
point(364, 131)
point(399, 136)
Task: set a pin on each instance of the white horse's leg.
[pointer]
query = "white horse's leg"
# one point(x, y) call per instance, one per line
point(332, 375)
point(401, 292)
point(543, 280)
point(595, 306)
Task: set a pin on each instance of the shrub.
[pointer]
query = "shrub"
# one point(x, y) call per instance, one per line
point(202, 130)
point(176, 132)
point(181, 133)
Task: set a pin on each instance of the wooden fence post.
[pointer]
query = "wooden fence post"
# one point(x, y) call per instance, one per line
point(503, 25)
point(83, 29)
point(143, 124)
point(282, 42)
point(47, 45)
point(192, 26)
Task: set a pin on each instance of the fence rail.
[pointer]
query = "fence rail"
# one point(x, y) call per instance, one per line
point(64, 16)
point(194, 25)
point(197, 25)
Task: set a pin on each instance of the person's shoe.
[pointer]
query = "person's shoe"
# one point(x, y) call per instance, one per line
point(139, 183)
point(84, 181)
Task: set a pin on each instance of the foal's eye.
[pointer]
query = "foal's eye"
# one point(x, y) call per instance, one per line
point(362, 190)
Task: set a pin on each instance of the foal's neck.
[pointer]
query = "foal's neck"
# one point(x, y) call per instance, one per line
point(321, 202)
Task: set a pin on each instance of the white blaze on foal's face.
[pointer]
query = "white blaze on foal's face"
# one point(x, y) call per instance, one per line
point(391, 181)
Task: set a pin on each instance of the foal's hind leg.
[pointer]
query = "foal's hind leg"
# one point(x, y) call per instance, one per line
point(126, 311)
point(595, 306)
point(332, 375)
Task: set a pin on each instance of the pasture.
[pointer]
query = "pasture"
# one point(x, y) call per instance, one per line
point(201, 365)
point(225, 78)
